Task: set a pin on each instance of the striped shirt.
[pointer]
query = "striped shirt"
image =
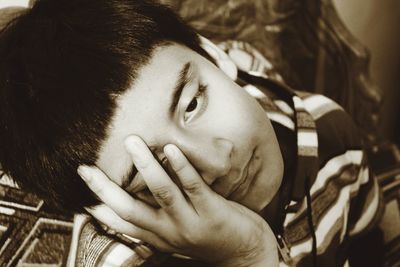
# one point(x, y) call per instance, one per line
point(328, 192)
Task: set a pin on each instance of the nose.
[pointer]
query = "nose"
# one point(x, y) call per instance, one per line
point(210, 156)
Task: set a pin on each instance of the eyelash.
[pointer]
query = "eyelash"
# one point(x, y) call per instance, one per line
point(164, 161)
point(202, 92)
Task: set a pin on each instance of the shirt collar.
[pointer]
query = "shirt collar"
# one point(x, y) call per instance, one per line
point(304, 128)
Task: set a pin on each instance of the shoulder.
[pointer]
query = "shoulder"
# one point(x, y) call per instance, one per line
point(336, 130)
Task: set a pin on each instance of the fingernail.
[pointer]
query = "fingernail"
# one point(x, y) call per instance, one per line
point(132, 144)
point(134, 148)
point(171, 151)
point(85, 173)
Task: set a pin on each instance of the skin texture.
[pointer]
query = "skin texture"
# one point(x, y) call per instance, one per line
point(188, 217)
point(226, 137)
point(207, 168)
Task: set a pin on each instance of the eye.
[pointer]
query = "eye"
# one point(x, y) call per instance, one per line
point(192, 106)
point(197, 104)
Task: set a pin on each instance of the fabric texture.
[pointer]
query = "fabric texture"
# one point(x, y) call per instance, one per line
point(344, 195)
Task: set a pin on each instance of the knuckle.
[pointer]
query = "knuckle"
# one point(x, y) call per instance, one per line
point(192, 187)
point(179, 166)
point(164, 195)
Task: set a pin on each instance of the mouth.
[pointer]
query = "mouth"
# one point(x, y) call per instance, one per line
point(242, 187)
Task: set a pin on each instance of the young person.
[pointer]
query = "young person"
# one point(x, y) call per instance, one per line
point(182, 156)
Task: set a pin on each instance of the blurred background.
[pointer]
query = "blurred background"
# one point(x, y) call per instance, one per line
point(376, 25)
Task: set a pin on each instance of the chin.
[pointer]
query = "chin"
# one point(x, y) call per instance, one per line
point(264, 190)
point(256, 205)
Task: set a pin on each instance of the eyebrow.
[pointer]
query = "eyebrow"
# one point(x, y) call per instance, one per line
point(183, 79)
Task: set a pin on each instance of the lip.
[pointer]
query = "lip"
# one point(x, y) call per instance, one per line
point(243, 186)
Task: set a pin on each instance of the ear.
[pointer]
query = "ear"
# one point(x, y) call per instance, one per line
point(221, 58)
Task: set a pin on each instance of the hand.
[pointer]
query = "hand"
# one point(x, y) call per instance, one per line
point(202, 225)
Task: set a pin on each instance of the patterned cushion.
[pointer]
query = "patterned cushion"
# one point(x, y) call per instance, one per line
point(30, 232)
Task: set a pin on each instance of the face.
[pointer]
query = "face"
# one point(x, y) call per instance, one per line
point(181, 98)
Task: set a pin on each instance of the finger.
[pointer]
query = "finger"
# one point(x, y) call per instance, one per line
point(192, 183)
point(108, 217)
point(137, 184)
point(128, 208)
point(164, 190)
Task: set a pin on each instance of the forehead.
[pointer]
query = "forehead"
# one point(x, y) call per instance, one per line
point(143, 109)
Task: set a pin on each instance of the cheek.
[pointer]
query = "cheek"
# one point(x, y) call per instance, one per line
point(113, 160)
point(235, 110)
point(237, 103)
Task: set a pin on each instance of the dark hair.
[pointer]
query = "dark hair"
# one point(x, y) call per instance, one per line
point(62, 63)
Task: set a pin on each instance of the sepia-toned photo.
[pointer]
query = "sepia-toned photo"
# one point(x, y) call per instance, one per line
point(226, 133)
